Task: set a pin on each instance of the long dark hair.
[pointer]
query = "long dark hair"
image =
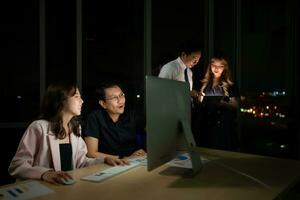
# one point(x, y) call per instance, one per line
point(53, 104)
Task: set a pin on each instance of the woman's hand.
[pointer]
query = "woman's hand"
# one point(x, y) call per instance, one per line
point(200, 97)
point(55, 177)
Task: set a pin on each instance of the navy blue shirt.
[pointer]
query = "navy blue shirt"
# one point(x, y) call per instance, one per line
point(114, 138)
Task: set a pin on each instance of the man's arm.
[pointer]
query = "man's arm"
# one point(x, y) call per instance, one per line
point(92, 146)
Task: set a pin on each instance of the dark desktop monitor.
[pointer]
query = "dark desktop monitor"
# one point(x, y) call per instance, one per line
point(168, 122)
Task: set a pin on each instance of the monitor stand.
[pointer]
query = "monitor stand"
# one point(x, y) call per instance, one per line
point(191, 146)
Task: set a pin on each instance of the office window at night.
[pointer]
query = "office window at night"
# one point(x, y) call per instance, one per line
point(225, 32)
point(267, 120)
point(263, 73)
point(13, 138)
point(19, 61)
point(60, 40)
point(113, 47)
point(173, 23)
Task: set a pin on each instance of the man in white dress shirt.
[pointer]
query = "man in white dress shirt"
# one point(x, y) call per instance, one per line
point(180, 68)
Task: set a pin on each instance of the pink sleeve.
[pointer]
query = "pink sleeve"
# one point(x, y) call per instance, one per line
point(22, 164)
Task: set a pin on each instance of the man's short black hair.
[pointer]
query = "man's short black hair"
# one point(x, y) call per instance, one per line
point(190, 46)
point(100, 91)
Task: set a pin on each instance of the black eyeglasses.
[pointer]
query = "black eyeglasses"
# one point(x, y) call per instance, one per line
point(116, 98)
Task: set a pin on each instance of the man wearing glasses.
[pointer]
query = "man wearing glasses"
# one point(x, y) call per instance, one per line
point(110, 130)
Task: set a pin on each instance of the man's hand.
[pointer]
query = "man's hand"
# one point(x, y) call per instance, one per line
point(113, 161)
point(139, 152)
point(195, 93)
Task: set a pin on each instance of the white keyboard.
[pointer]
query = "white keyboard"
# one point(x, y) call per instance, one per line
point(110, 172)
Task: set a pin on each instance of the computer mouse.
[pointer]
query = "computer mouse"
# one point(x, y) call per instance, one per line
point(68, 181)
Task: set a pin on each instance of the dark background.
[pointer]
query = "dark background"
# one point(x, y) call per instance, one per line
point(262, 51)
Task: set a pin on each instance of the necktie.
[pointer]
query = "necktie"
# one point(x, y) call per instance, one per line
point(186, 78)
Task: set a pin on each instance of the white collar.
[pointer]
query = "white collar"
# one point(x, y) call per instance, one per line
point(182, 65)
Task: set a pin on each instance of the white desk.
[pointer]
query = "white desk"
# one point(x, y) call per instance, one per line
point(217, 181)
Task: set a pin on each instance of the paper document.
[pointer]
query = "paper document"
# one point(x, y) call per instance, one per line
point(26, 190)
point(183, 161)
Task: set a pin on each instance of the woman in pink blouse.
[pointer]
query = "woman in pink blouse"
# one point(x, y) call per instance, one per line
point(53, 144)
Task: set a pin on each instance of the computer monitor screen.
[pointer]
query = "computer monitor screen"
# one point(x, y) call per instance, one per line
point(168, 122)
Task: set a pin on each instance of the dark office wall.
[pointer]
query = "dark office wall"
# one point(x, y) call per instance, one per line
point(19, 75)
point(20, 70)
point(8, 147)
point(113, 49)
point(173, 23)
point(19, 60)
point(60, 40)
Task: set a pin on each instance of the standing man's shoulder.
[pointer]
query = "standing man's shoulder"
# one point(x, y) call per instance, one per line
point(169, 70)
